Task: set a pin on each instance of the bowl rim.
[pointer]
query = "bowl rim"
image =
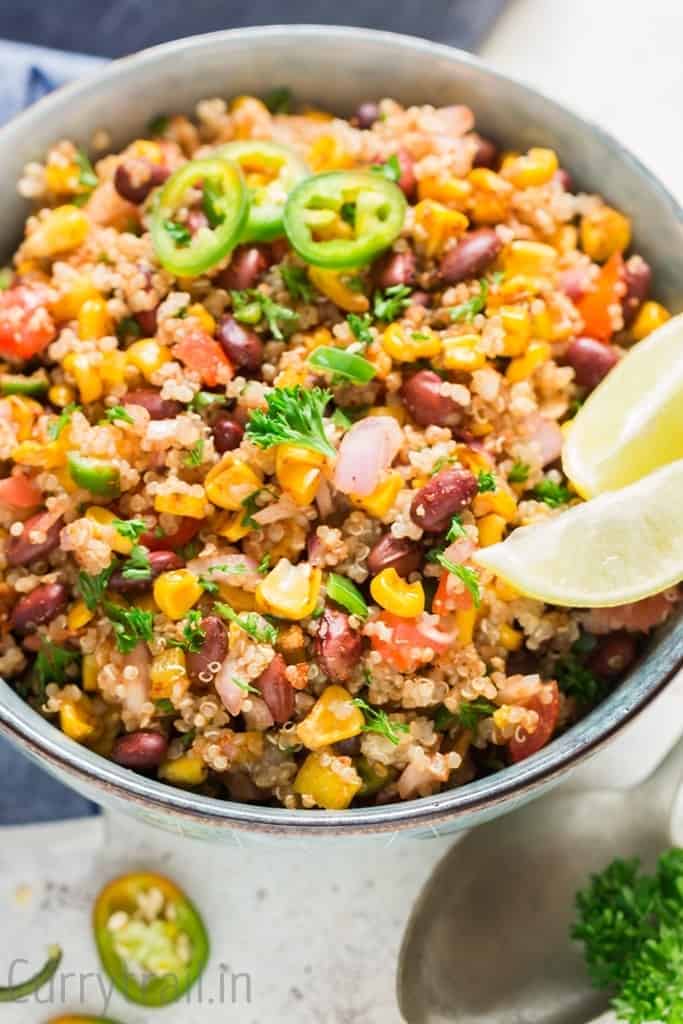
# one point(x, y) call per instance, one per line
point(42, 740)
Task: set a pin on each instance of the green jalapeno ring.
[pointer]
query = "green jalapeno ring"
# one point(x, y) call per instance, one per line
point(94, 475)
point(209, 245)
point(267, 202)
point(12, 993)
point(379, 209)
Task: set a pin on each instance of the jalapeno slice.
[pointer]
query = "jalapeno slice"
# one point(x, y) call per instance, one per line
point(10, 993)
point(224, 201)
point(150, 938)
point(94, 475)
point(344, 219)
point(17, 384)
point(271, 171)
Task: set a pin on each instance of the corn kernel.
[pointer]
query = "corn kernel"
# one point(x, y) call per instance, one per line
point(146, 149)
point(148, 356)
point(407, 346)
point(94, 320)
point(452, 192)
point(500, 501)
point(504, 591)
point(112, 368)
point(536, 354)
point(202, 314)
point(328, 154)
point(191, 505)
point(382, 498)
point(465, 621)
point(168, 675)
point(62, 230)
point(534, 259)
point(517, 327)
point(234, 526)
point(397, 596)
point(334, 284)
point(397, 412)
point(510, 638)
point(44, 456)
point(86, 374)
point(289, 591)
point(651, 316)
point(332, 782)
point(78, 616)
point(332, 718)
point(603, 232)
point(473, 460)
point(491, 196)
point(89, 673)
point(435, 226)
point(491, 529)
point(291, 377)
point(76, 292)
point(176, 592)
point(188, 770)
point(463, 353)
point(542, 324)
point(24, 412)
point(61, 395)
point(240, 600)
point(230, 482)
point(62, 178)
point(298, 472)
point(537, 167)
point(77, 720)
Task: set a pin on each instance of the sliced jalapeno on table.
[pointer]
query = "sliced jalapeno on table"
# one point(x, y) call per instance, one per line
point(150, 938)
point(94, 475)
point(225, 203)
point(10, 993)
point(344, 218)
point(271, 171)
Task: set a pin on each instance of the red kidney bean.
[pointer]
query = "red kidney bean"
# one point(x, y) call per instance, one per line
point(348, 748)
point(135, 178)
point(248, 263)
point(473, 254)
point(338, 647)
point(564, 178)
point(395, 268)
point(227, 433)
point(366, 114)
point(446, 494)
point(397, 553)
point(158, 408)
point(140, 750)
point(638, 278)
point(159, 561)
point(425, 402)
point(27, 547)
point(592, 360)
point(486, 153)
point(407, 181)
point(276, 690)
point(213, 651)
point(38, 607)
point(242, 346)
point(147, 322)
point(613, 655)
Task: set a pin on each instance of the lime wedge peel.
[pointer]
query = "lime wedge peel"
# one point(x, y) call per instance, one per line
point(620, 547)
point(633, 422)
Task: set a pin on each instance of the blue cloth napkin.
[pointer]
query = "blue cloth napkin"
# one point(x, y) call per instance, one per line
point(29, 795)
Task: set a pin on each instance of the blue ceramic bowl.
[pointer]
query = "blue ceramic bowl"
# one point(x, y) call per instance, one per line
point(337, 68)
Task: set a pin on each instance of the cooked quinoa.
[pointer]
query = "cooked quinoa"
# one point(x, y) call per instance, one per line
point(243, 484)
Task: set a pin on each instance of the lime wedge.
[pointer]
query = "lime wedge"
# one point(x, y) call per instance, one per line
point(620, 547)
point(633, 422)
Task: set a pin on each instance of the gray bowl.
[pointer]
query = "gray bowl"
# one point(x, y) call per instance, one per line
point(338, 68)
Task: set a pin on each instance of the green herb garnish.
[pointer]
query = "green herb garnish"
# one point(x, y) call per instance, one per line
point(158, 125)
point(486, 482)
point(575, 680)
point(178, 232)
point(92, 588)
point(455, 530)
point(193, 634)
point(519, 473)
point(117, 412)
point(551, 493)
point(279, 100)
point(360, 327)
point(213, 203)
point(62, 421)
point(340, 419)
point(467, 311)
point(295, 280)
point(165, 706)
point(206, 400)
point(252, 623)
point(342, 591)
point(51, 664)
point(389, 305)
point(466, 575)
point(378, 721)
point(263, 568)
point(243, 685)
point(131, 626)
point(6, 275)
point(137, 566)
point(130, 529)
point(472, 711)
point(391, 170)
point(294, 415)
point(86, 172)
point(195, 455)
point(128, 329)
point(251, 302)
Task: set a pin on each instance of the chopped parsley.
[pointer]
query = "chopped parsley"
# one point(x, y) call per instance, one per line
point(210, 586)
point(378, 721)
point(51, 664)
point(466, 575)
point(575, 680)
point(551, 493)
point(294, 415)
point(486, 482)
point(279, 100)
point(519, 473)
point(131, 626)
point(253, 624)
point(295, 280)
point(86, 172)
point(117, 412)
point(264, 565)
point(130, 529)
point(187, 739)
point(455, 530)
point(467, 311)
point(252, 306)
point(360, 327)
point(137, 566)
point(193, 634)
point(389, 305)
point(391, 170)
point(62, 421)
point(247, 687)
point(178, 232)
point(92, 588)
point(195, 455)
point(128, 329)
point(250, 507)
point(471, 712)
point(165, 706)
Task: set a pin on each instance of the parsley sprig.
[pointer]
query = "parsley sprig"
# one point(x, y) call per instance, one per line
point(178, 232)
point(486, 482)
point(378, 721)
point(195, 455)
point(551, 493)
point(391, 170)
point(130, 529)
point(51, 665)
point(137, 565)
point(117, 412)
point(295, 416)
point(131, 626)
point(360, 327)
point(253, 624)
point(466, 575)
point(388, 305)
point(193, 635)
point(92, 587)
point(466, 311)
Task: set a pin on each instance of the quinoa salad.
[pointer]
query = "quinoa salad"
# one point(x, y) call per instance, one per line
point(268, 380)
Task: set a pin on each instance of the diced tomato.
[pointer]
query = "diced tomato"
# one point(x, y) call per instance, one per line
point(447, 599)
point(19, 491)
point(198, 351)
point(595, 306)
point(407, 635)
point(187, 529)
point(529, 743)
point(26, 326)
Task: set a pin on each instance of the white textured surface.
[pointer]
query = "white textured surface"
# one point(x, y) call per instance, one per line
point(318, 929)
